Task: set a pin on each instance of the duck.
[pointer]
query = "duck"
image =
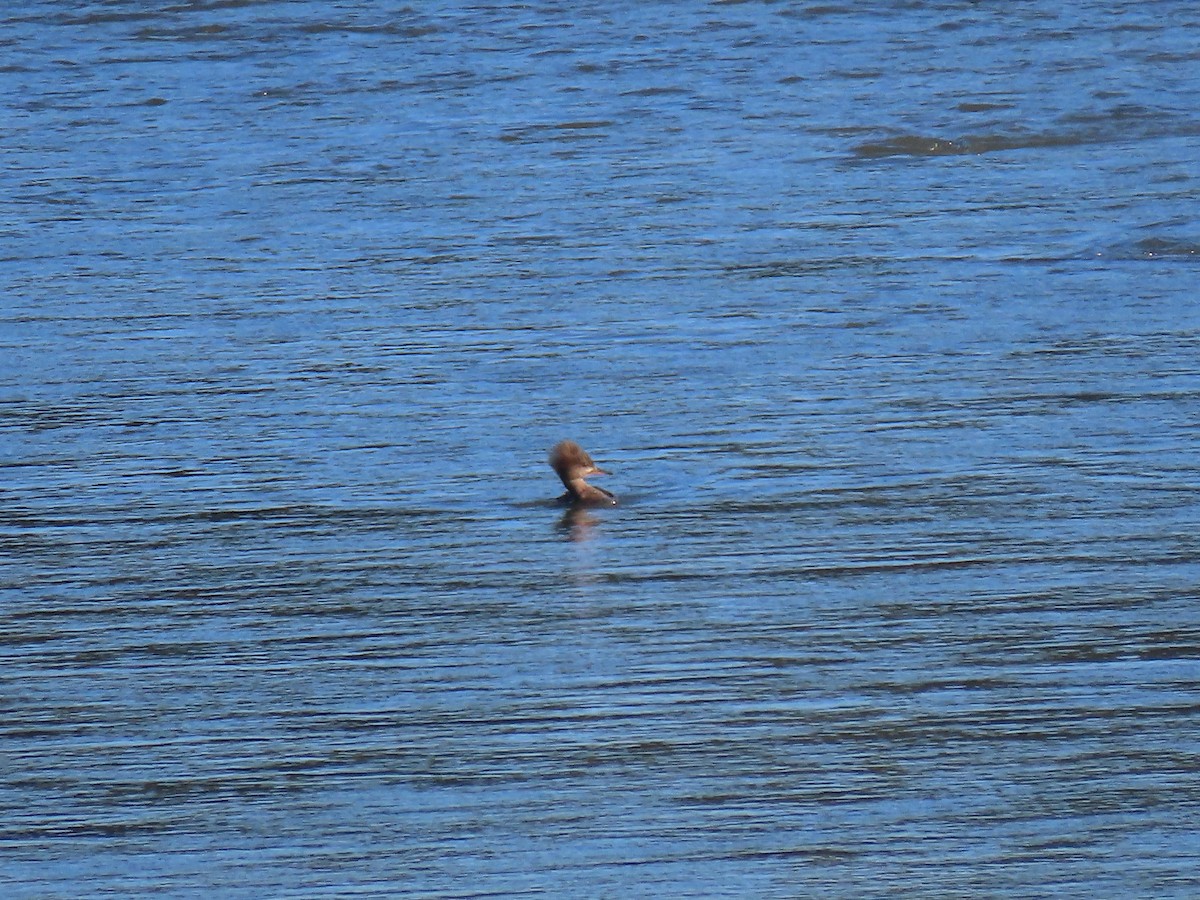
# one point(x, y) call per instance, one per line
point(573, 465)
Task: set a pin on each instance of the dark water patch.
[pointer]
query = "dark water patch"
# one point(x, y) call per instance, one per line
point(556, 131)
point(975, 106)
point(656, 91)
point(1170, 248)
point(184, 34)
point(794, 268)
point(394, 29)
point(817, 10)
point(1121, 123)
point(969, 145)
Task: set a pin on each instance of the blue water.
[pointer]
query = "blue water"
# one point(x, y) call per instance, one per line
point(882, 315)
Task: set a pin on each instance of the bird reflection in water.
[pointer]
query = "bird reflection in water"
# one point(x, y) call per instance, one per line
point(578, 524)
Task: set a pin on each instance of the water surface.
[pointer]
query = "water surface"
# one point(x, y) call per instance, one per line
point(882, 315)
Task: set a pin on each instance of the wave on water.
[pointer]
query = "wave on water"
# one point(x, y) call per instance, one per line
point(1127, 122)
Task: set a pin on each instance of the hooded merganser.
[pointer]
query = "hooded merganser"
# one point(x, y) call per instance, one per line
point(573, 464)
